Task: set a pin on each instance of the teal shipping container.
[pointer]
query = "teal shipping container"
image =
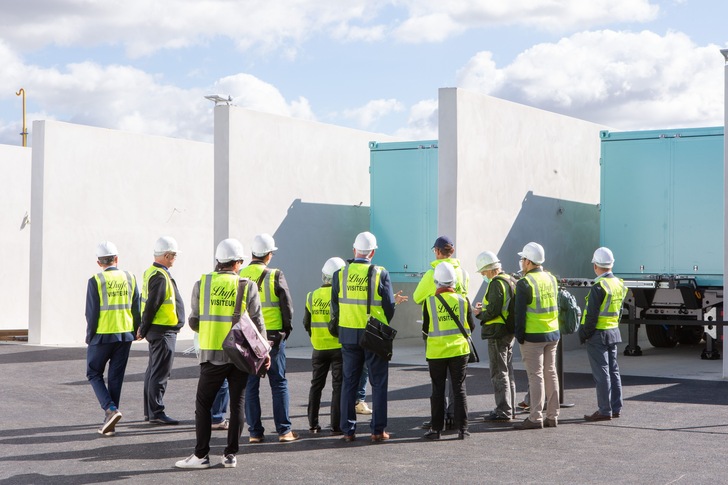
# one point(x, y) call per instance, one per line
point(662, 203)
point(403, 216)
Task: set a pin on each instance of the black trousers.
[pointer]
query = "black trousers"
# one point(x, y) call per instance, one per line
point(211, 378)
point(438, 373)
point(322, 360)
point(159, 368)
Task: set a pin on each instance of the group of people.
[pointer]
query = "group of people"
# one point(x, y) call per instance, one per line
point(336, 314)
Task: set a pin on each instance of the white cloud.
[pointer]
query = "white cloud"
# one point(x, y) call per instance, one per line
point(621, 79)
point(370, 113)
point(422, 122)
point(250, 92)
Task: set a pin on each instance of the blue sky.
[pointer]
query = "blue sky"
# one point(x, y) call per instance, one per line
point(144, 66)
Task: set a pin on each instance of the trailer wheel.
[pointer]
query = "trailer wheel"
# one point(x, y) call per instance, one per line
point(689, 335)
point(662, 335)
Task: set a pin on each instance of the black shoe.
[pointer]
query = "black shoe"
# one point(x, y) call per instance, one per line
point(163, 419)
point(463, 433)
point(449, 423)
point(336, 432)
point(426, 425)
point(496, 417)
point(315, 429)
point(432, 435)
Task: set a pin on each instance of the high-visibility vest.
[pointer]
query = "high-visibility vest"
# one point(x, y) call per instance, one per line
point(269, 301)
point(318, 304)
point(167, 312)
point(426, 287)
point(353, 295)
point(542, 314)
point(444, 338)
point(116, 291)
point(611, 307)
point(502, 278)
point(218, 293)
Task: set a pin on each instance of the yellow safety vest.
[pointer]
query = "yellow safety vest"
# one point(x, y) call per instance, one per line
point(353, 295)
point(506, 299)
point(167, 312)
point(269, 301)
point(542, 314)
point(426, 287)
point(318, 304)
point(218, 293)
point(116, 290)
point(444, 338)
point(611, 308)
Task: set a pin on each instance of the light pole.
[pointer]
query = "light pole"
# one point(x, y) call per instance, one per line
point(24, 133)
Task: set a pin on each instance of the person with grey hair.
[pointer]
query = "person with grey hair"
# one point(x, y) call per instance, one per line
point(447, 349)
point(600, 330)
point(163, 314)
point(112, 318)
point(496, 318)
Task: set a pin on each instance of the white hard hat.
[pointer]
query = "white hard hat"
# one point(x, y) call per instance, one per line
point(533, 252)
point(106, 248)
point(263, 244)
point(445, 275)
point(603, 258)
point(229, 250)
point(332, 265)
point(487, 260)
point(165, 244)
point(365, 241)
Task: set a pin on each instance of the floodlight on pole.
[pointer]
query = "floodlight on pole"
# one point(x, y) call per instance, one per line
point(217, 99)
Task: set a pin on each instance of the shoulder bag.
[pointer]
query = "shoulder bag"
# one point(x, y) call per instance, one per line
point(246, 348)
point(378, 337)
point(473, 357)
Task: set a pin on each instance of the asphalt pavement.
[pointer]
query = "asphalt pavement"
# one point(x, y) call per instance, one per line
point(673, 428)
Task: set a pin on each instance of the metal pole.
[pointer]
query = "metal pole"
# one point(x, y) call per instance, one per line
point(24, 133)
point(725, 200)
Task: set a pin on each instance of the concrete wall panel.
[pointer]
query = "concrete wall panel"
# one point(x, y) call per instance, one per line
point(15, 163)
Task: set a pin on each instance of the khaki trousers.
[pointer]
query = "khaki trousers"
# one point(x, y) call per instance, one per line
point(540, 361)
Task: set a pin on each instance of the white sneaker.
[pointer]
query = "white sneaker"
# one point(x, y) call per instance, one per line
point(223, 425)
point(362, 408)
point(193, 462)
point(112, 416)
point(229, 461)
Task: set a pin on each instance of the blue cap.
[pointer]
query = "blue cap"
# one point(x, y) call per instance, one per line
point(442, 242)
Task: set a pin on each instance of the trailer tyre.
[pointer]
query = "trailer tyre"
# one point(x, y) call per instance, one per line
point(689, 335)
point(664, 336)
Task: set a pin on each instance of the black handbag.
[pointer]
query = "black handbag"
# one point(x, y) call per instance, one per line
point(473, 357)
point(246, 348)
point(378, 337)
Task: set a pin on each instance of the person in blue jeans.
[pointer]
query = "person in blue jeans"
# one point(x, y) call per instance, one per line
point(219, 407)
point(277, 315)
point(361, 394)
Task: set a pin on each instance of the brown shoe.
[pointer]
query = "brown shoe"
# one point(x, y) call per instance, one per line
point(527, 424)
point(597, 417)
point(376, 438)
point(288, 437)
point(615, 415)
point(348, 438)
point(550, 422)
point(256, 439)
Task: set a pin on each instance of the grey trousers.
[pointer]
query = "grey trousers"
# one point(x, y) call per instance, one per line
point(500, 356)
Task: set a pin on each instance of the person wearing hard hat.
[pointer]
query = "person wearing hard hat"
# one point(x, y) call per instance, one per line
point(213, 304)
point(447, 349)
point(163, 314)
point(600, 330)
point(326, 349)
point(278, 315)
point(444, 250)
point(112, 318)
point(349, 290)
point(537, 332)
point(496, 319)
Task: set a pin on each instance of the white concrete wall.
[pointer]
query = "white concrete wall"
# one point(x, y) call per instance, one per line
point(305, 183)
point(91, 184)
point(14, 240)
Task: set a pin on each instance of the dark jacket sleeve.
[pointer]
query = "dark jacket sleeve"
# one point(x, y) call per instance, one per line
point(385, 291)
point(194, 319)
point(306, 318)
point(155, 296)
point(425, 320)
point(286, 303)
point(92, 309)
point(494, 295)
point(253, 306)
point(594, 303)
point(523, 298)
point(136, 307)
point(469, 317)
point(334, 308)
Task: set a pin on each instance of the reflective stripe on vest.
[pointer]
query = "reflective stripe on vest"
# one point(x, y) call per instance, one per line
point(218, 293)
point(542, 314)
point(318, 304)
point(611, 307)
point(506, 299)
point(353, 295)
point(269, 301)
point(116, 290)
point(444, 338)
point(167, 312)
